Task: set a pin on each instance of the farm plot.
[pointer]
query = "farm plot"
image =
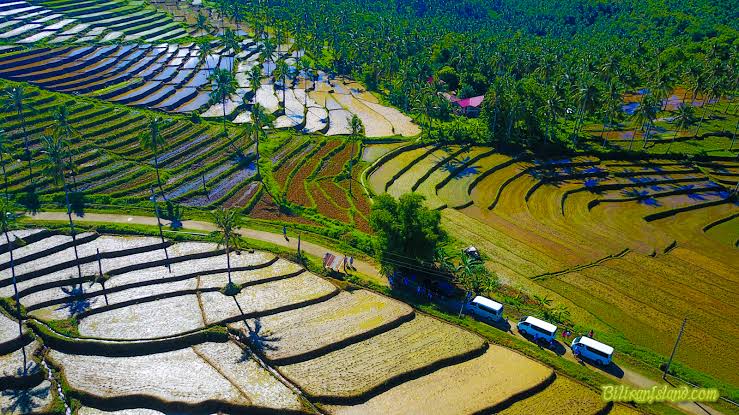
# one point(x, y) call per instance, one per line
point(296, 190)
point(411, 179)
point(190, 376)
point(361, 370)
point(143, 321)
point(339, 346)
point(279, 269)
point(455, 192)
point(174, 78)
point(8, 329)
point(22, 401)
point(574, 228)
point(487, 381)
point(11, 364)
point(564, 396)
point(314, 329)
point(267, 298)
point(107, 145)
point(380, 178)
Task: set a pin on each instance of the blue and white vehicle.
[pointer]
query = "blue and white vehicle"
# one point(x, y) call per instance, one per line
point(485, 308)
point(537, 329)
point(593, 350)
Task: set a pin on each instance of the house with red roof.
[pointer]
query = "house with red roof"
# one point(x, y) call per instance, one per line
point(469, 107)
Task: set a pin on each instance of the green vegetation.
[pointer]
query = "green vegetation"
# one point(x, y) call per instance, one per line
point(547, 70)
point(406, 232)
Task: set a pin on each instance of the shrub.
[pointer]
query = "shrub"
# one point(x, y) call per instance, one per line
point(449, 76)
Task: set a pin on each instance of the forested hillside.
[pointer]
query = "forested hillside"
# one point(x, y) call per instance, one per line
point(544, 60)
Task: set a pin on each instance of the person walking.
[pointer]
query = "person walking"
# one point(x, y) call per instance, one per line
point(284, 232)
point(590, 333)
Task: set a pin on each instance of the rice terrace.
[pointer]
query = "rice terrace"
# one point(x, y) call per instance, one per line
point(368, 207)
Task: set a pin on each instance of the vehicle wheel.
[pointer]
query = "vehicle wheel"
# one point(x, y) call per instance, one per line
point(602, 363)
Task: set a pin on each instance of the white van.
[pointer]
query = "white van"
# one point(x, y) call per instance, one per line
point(593, 350)
point(485, 308)
point(538, 329)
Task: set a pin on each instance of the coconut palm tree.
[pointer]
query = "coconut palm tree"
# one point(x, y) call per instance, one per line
point(303, 69)
point(230, 42)
point(255, 79)
point(260, 121)
point(8, 214)
point(282, 71)
point(356, 126)
point(643, 116)
point(268, 50)
point(236, 13)
point(224, 85)
point(153, 141)
point(470, 275)
point(587, 97)
point(553, 105)
point(611, 107)
point(3, 143)
point(222, 6)
point(684, 118)
point(204, 50)
point(228, 223)
point(202, 25)
point(16, 100)
point(63, 128)
point(55, 167)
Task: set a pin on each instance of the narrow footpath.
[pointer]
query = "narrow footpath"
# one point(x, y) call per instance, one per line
point(365, 268)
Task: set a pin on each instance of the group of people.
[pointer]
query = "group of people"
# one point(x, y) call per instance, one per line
point(568, 334)
point(336, 264)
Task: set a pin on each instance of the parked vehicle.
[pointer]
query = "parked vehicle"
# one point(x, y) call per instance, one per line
point(538, 329)
point(593, 350)
point(485, 308)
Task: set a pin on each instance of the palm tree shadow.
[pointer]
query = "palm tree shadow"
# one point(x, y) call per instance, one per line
point(76, 303)
point(257, 338)
point(24, 401)
point(27, 367)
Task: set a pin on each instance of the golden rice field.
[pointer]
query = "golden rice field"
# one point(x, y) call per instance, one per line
point(630, 247)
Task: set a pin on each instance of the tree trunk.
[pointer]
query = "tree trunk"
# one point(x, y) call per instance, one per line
point(27, 149)
point(673, 140)
point(633, 137)
point(71, 170)
point(603, 131)
point(228, 262)
point(102, 279)
point(5, 177)
point(256, 134)
point(74, 234)
point(159, 180)
point(223, 103)
point(646, 135)
point(17, 299)
point(703, 117)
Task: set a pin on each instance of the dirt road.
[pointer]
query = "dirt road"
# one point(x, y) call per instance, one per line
point(363, 267)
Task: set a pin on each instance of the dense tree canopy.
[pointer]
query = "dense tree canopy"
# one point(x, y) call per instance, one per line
point(407, 232)
point(542, 64)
